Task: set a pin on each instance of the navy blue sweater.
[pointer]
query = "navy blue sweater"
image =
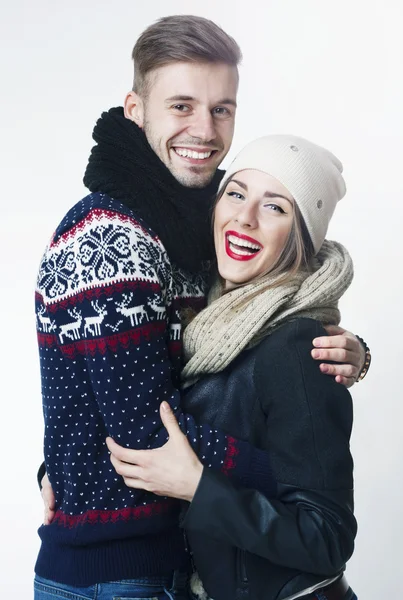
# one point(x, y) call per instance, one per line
point(108, 306)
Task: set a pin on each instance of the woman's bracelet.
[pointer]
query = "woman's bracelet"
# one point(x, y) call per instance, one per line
point(367, 362)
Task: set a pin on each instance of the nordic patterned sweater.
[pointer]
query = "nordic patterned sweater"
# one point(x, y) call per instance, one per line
point(108, 305)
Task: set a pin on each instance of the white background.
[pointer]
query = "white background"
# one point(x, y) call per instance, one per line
point(329, 71)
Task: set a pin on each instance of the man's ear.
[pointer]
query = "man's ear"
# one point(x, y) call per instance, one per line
point(134, 108)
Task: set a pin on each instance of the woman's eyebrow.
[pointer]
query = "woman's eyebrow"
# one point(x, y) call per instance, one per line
point(275, 195)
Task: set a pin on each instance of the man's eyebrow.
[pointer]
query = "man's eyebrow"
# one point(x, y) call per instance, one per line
point(182, 98)
point(230, 101)
point(265, 195)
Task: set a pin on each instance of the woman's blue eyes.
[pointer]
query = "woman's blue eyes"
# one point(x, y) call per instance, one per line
point(276, 207)
point(236, 195)
point(271, 205)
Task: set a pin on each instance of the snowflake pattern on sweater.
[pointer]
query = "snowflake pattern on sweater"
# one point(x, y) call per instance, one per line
point(108, 306)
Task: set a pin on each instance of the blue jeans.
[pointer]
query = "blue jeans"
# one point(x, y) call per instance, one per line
point(146, 588)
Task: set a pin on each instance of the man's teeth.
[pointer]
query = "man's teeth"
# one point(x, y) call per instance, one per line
point(192, 154)
point(241, 242)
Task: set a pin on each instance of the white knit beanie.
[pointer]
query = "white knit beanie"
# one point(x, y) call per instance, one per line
point(311, 174)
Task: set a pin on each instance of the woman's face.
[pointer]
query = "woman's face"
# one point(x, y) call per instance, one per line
point(252, 221)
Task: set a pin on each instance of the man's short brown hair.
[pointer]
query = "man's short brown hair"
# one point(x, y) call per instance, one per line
point(181, 38)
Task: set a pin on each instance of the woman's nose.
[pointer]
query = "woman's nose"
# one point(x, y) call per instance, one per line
point(246, 217)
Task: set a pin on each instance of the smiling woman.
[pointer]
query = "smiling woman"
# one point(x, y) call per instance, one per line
point(249, 370)
point(257, 203)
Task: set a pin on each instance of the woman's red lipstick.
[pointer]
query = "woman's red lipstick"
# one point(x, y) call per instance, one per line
point(253, 248)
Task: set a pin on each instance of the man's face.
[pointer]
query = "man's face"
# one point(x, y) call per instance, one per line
point(188, 116)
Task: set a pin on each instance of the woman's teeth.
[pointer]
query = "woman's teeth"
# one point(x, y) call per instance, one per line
point(241, 246)
point(192, 154)
point(237, 250)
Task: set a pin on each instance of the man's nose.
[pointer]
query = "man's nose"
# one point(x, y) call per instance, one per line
point(203, 126)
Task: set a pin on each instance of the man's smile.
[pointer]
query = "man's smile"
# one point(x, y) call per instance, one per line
point(192, 155)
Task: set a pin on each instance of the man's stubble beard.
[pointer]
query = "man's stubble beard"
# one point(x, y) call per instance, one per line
point(191, 178)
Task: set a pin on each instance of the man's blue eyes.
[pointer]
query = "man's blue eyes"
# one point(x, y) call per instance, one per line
point(219, 110)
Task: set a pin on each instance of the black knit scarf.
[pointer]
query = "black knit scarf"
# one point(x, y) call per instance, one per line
point(124, 166)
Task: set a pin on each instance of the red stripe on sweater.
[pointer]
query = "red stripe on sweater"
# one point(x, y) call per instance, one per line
point(112, 342)
point(46, 340)
point(101, 345)
point(98, 291)
point(94, 215)
point(103, 517)
point(232, 452)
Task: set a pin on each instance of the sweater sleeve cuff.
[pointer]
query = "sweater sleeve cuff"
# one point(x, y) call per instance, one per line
point(249, 467)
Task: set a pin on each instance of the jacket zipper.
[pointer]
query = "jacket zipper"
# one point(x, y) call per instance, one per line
point(189, 553)
point(242, 576)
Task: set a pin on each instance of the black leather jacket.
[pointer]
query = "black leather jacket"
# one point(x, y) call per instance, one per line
point(244, 544)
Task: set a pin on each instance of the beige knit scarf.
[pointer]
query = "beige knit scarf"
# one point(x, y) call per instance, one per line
point(240, 318)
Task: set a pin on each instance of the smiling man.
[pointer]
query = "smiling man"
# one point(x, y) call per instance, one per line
point(123, 265)
point(189, 126)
